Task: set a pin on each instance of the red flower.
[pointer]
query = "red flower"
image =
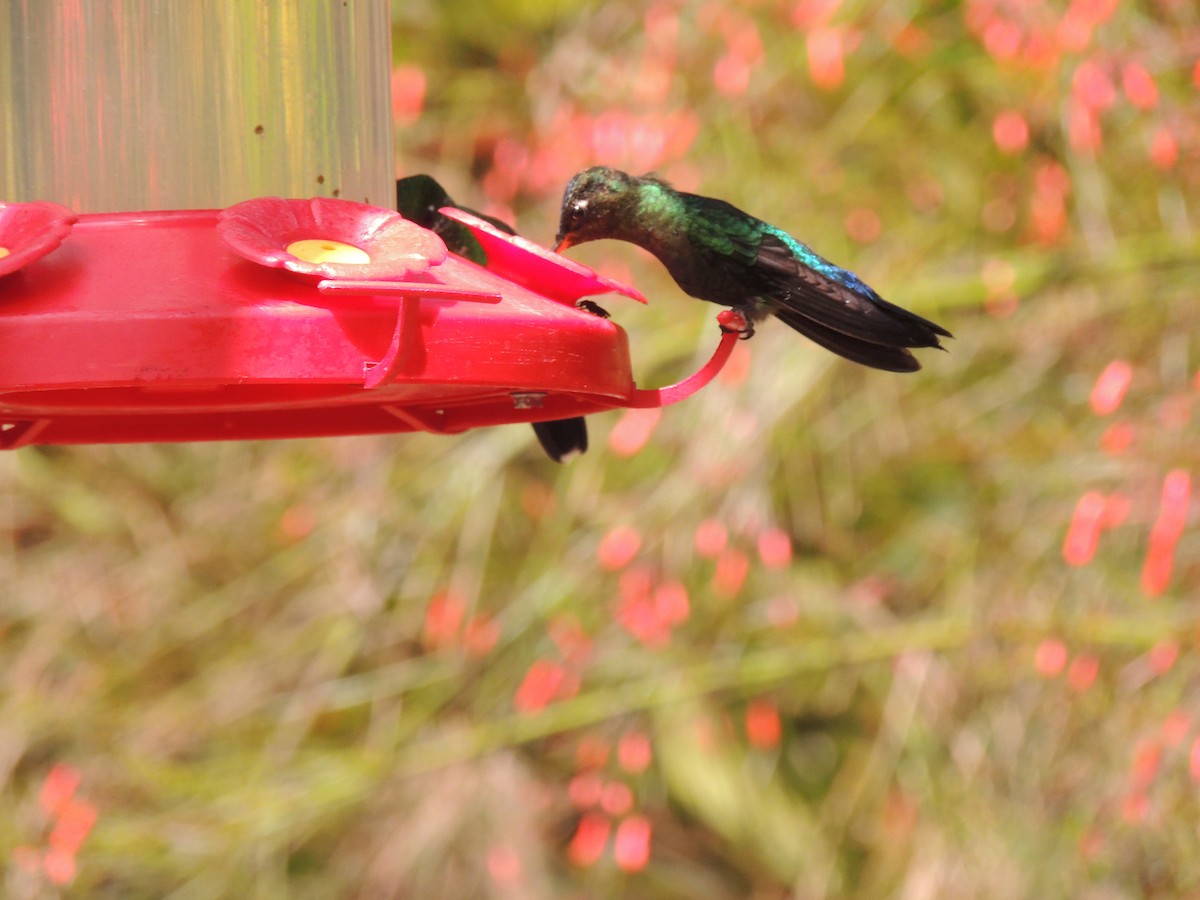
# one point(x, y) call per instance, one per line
point(325, 238)
point(28, 231)
point(631, 849)
point(763, 726)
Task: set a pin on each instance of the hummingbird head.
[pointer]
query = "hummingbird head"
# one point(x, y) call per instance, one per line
point(594, 206)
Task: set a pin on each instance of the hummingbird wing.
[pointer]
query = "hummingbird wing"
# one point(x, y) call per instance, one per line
point(750, 260)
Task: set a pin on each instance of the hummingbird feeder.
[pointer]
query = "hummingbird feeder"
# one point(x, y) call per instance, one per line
point(273, 316)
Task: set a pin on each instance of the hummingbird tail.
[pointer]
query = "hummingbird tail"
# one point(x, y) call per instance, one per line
point(562, 438)
point(877, 356)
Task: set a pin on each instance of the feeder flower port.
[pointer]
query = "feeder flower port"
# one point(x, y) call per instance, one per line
point(329, 238)
point(28, 231)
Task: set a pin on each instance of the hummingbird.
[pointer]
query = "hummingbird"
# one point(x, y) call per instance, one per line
point(719, 253)
point(419, 198)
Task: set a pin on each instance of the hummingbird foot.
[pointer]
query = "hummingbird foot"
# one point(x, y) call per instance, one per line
point(594, 308)
point(736, 322)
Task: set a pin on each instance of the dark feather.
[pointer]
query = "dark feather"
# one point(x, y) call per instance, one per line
point(561, 438)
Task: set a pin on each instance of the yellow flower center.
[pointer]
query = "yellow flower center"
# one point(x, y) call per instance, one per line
point(323, 251)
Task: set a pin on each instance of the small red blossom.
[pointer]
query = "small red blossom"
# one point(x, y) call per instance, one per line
point(538, 500)
point(1118, 438)
point(826, 57)
point(1010, 131)
point(1164, 148)
point(297, 522)
point(637, 615)
point(585, 789)
point(1135, 807)
point(1097, 12)
point(763, 726)
point(616, 798)
point(542, 683)
point(408, 93)
point(1092, 87)
point(671, 603)
point(1050, 657)
point(1116, 510)
point(1175, 728)
point(631, 848)
point(75, 822)
point(633, 431)
point(808, 13)
point(1167, 529)
point(710, 538)
point(480, 635)
point(58, 788)
point(1002, 39)
point(443, 618)
point(1110, 388)
point(59, 866)
point(634, 752)
point(1052, 185)
point(1147, 755)
point(732, 568)
point(731, 74)
point(592, 752)
point(1083, 129)
point(1139, 86)
point(863, 225)
point(618, 547)
point(504, 866)
point(569, 636)
point(1082, 672)
point(1162, 656)
point(775, 548)
point(590, 839)
point(1073, 33)
point(1083, 534)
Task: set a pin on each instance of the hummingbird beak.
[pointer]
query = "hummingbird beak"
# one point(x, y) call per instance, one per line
point(563, 242)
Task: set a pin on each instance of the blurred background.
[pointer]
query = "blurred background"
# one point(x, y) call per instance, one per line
point(818, 631)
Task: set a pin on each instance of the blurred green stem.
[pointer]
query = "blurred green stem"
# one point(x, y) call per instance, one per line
point(761, 670)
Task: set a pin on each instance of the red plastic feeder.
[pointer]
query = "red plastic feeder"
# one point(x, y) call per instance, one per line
point(293, 318)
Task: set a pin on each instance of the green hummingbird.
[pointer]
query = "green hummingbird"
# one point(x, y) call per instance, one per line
point(419, 199)
point(717, 252)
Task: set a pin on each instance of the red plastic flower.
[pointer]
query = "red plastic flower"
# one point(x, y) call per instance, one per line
point(324, 238)
point(536, 267)
point(28, 231)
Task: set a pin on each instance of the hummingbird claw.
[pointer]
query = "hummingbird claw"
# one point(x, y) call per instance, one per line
point(733, 321)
